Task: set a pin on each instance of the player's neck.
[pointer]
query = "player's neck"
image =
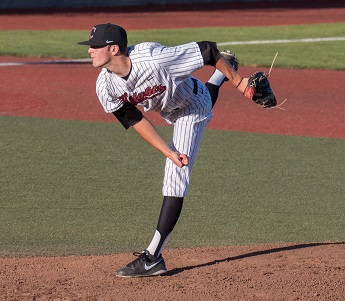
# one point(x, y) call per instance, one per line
point(121, 66)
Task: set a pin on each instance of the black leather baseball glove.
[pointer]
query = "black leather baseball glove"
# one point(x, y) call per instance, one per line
point(259, 90)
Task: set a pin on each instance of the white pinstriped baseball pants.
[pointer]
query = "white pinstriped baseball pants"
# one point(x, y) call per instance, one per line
point(189, 128)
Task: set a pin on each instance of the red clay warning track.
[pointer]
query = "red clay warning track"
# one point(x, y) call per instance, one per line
point(314, 107)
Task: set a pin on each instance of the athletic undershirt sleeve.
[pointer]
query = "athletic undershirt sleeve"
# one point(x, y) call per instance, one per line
point(128, 115)
point(209, 52)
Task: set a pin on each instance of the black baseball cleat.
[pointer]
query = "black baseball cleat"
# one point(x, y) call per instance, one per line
point(143, 266)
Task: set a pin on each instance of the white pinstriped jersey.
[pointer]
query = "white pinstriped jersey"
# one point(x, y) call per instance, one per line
point(159, 79)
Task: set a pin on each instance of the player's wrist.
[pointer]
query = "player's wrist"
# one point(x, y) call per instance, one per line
point(239, 83)
point(242, 85)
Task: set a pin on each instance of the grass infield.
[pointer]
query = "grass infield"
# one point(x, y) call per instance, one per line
point(75, 187)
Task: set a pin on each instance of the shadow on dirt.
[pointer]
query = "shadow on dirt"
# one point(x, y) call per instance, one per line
point(252, 254)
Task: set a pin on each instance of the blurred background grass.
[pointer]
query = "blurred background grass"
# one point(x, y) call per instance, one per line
point(324, 55)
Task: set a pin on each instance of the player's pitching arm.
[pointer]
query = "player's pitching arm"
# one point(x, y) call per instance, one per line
point(129, 115)
point(149, 133)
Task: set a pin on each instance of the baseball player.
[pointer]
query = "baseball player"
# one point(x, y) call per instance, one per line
point(158, 78)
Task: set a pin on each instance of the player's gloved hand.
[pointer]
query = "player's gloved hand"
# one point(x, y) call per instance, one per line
point(259, 90)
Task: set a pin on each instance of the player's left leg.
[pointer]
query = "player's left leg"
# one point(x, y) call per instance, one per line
point(168, 217)
point(176, 182)
point(188, 131)
point(186, 139)
point(187, 136)
point(150, 261)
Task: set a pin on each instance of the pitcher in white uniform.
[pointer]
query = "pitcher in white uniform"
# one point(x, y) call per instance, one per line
point(158, 78)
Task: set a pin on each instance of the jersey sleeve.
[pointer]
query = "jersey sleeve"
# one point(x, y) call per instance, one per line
point(128, 115)
point(107, 98)
point(209, 52)
point(179, 60)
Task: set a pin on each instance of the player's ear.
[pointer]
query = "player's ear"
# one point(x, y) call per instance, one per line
point(114, 49)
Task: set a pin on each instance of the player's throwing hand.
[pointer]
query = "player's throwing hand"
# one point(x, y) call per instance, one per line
point(179, 159)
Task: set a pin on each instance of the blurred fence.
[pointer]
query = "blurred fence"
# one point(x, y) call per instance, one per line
point(85, 4)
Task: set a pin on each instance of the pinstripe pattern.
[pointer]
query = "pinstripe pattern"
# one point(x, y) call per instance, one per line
point(153, 66)
point(188, 131)
point(160, 81)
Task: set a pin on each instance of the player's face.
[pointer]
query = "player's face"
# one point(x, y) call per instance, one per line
point(101, 56)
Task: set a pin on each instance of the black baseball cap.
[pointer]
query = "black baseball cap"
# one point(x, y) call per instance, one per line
point(106, 34)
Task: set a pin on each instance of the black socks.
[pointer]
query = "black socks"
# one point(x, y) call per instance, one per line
point(170, 213)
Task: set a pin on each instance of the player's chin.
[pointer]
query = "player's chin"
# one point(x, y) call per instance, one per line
point(96, 63)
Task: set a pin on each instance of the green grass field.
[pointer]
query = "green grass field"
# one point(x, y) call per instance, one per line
point(324, 55)
point(74, 187)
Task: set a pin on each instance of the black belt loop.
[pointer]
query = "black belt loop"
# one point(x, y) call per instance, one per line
point(195, 89)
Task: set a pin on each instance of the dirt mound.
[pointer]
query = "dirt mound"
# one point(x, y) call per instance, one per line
point(310, 271)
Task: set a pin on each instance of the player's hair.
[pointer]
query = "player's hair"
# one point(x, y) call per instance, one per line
point(123, 49)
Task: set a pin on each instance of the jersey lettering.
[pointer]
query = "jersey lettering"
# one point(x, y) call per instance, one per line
point(149, 93)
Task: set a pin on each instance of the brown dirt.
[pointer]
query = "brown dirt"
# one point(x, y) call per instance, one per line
point(264, 272)
point(309, 271)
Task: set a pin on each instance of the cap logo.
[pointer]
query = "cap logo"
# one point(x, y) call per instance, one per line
point(93, 30)
point(106, 34)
